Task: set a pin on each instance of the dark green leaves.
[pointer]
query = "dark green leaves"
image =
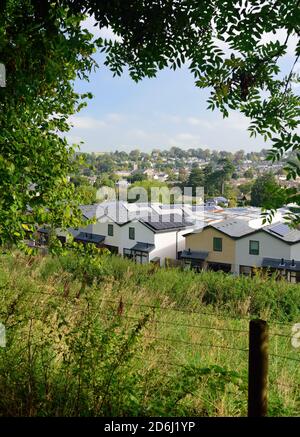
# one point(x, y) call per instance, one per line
point(43, 53)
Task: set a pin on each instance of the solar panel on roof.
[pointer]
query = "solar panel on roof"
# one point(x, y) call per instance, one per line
point(280, 229)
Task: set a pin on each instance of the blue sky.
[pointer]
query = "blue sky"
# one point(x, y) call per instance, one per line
point(160, 113)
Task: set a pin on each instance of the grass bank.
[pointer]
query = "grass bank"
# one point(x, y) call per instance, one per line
point(99, 335)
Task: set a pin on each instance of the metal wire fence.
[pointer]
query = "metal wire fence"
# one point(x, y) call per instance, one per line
point(182, 338)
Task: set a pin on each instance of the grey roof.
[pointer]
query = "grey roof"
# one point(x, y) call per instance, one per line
point(199, 207)
point(90, 238)
point(193, 254)
point(143, 247)
point(117, 212)
point(60, 232)
point(214, 201)
point(249, 211)
point(234, 228)
point(277, 264)
point(220, 199)
point(122, 213)
point(171, 206)
point(66, 232)
point(89, 211)
point(208, 208)
point(167, 222)
point(283, 232)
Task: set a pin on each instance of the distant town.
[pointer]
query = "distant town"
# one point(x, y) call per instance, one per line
point(238, 177)
point(223, 230)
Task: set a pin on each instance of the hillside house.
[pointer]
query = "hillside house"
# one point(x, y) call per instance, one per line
point(233, 246)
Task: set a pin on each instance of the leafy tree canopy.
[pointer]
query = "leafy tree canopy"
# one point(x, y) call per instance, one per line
point(264, 187)
point(244, 77)
point(44, 47)
point(196, 179)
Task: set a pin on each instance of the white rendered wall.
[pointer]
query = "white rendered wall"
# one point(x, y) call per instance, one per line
point(269, 247)
point(120, 238)
point(295, 252)
point(165, 243)
point(165, 246)
point(142, 235)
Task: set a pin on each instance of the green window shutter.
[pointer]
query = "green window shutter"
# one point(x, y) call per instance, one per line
point(217, 244)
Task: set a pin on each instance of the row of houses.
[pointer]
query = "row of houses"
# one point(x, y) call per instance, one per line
point(233, 246)
point(141, 233)
point(234, 240)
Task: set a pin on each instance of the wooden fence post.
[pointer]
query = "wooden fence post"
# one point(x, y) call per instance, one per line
point(258, 368)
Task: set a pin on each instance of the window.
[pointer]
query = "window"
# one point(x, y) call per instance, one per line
point(110, 230)
point(131, 233)
point(253, 247)
point(127, 253)
point(217, 244)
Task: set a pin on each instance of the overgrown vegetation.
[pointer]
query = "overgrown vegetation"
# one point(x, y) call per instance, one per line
point(98, 335)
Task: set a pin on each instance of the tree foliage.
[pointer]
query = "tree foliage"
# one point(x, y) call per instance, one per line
point(196, 179)
point(44, 48)
point(246, 76)
point(264, 187)
point(211, 179)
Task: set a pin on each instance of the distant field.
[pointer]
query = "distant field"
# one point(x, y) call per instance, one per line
point(100, 335)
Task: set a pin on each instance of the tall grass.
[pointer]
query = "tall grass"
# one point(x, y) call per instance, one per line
point(104, 336)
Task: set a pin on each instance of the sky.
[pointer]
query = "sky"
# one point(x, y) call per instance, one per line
point(159, 113)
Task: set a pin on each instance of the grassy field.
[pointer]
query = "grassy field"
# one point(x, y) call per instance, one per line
point(99, 335)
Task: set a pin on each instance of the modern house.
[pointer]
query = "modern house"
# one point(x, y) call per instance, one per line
point(135, 231)
point(234, 246)
point(154, 238)
point(275, 247)
point(216, 243)
point(233, 239)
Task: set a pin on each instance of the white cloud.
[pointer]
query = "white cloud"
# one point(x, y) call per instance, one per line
point(235, 121)
point(194, 121)
point(114, 130)
point(138, 133)
point(185, 139)
point(169, 118)
point(114, 117)
point(73, 139)
point(186, 136)
point(86, 122)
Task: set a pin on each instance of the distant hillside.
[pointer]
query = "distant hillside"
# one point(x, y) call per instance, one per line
point(99, 335)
